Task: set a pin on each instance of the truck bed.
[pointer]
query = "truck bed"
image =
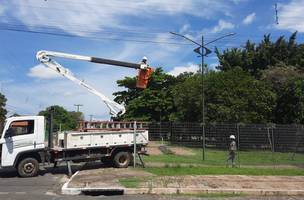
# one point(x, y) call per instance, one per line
point(74, 140)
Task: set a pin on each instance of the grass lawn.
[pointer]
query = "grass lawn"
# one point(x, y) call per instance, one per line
point(176, 171)
point(130, 182)
point(218, 157)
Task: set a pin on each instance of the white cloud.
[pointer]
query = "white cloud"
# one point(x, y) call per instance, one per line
point(249, 18)
point(190, 67)
point(91, 16)
point(222, 25)
point(213, 66)
point(42, 72)
point(291, 16)
point(184, 28)
point(85, 17)
point(33, 97)
point(2, 9)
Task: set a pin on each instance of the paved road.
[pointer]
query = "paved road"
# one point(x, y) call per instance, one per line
point(48, 184)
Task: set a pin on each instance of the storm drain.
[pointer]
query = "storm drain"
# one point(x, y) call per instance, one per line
point(103, 192)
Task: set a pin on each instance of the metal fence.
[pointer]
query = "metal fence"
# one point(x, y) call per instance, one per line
point(282, 138)
point(276, 139)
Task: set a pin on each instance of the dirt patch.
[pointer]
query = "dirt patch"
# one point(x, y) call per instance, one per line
point(153, 151)
point(181, 151)
point(227, 182)
point(154, 148)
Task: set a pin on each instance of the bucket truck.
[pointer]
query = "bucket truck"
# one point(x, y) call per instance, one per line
point(22, 144)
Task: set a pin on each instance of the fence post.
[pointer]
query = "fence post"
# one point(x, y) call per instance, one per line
point(238, 143)
point(273, 150)
point(134, 142)
point(171, 134)
point(204, 140)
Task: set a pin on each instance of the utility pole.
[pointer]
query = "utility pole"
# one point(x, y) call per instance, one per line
point(91, 117)
point(78, 106)
point(203, 51)
point(203, 91)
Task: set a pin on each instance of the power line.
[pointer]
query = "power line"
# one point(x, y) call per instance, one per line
point(45, 31)
point(90, 37)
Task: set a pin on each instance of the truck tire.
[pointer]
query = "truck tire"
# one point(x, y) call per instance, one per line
point(28, 167)
point(122, 159)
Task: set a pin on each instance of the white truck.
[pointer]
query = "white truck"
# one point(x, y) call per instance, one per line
point(23, 144)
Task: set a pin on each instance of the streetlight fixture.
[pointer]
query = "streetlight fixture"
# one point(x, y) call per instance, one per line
point(203, 51)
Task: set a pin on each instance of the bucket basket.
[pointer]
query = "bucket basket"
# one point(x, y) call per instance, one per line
point(143, 77)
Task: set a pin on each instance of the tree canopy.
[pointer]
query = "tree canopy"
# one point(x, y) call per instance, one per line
point(257, 83)
point(3, 111)
point(66, 120)
point(153, 103)
point(254, 58)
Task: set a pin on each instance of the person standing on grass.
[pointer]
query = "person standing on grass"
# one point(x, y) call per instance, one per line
point(232, 151)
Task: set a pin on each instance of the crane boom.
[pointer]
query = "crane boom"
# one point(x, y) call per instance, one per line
point(45, 58)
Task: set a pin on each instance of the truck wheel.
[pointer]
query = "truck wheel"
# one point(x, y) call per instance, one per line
point(122, 159)
point(28, 167)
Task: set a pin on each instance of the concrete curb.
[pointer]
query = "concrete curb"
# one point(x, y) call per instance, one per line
point(76, 191)
point(71, 191)
point(189, 190)
point(159, 191)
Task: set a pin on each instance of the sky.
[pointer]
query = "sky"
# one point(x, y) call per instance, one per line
point(122, 30)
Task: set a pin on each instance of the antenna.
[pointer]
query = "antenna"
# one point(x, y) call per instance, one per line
point(276, 13)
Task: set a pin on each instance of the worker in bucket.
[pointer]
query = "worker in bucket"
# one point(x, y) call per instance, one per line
point(232, 151)
point(144, 60)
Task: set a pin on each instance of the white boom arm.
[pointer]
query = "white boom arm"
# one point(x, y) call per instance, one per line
point(45, 58)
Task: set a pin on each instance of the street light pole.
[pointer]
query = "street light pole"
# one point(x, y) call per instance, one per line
point(204, 52)
point(203, 97)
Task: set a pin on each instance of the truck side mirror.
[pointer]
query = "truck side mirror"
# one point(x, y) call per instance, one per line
point(9, 133)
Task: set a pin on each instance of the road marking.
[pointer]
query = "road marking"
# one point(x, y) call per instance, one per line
point(3, 193)
point(20, 192)
point(66, 190)
point(51, 193)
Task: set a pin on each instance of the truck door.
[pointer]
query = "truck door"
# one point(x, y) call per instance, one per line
point(18, 137)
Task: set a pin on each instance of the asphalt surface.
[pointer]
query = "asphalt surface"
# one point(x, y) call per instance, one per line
point(47, 186)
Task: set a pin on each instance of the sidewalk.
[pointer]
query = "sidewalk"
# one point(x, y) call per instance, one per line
point(137, 181)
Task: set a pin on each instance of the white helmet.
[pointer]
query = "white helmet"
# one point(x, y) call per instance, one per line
point(145, 58)
point(232, 137)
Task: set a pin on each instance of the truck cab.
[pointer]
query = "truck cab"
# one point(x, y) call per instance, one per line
point(21, 135)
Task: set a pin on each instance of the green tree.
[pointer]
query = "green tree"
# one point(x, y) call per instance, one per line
point(287, 83)
point(232, 96)
point(188, 99)
point(290, 104)
point(67, 120)
point(254, 58)
point(3, 111)
point(151, 104)
point(235, 96)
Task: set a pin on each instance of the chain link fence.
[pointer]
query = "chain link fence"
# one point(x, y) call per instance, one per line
point(257, 144)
